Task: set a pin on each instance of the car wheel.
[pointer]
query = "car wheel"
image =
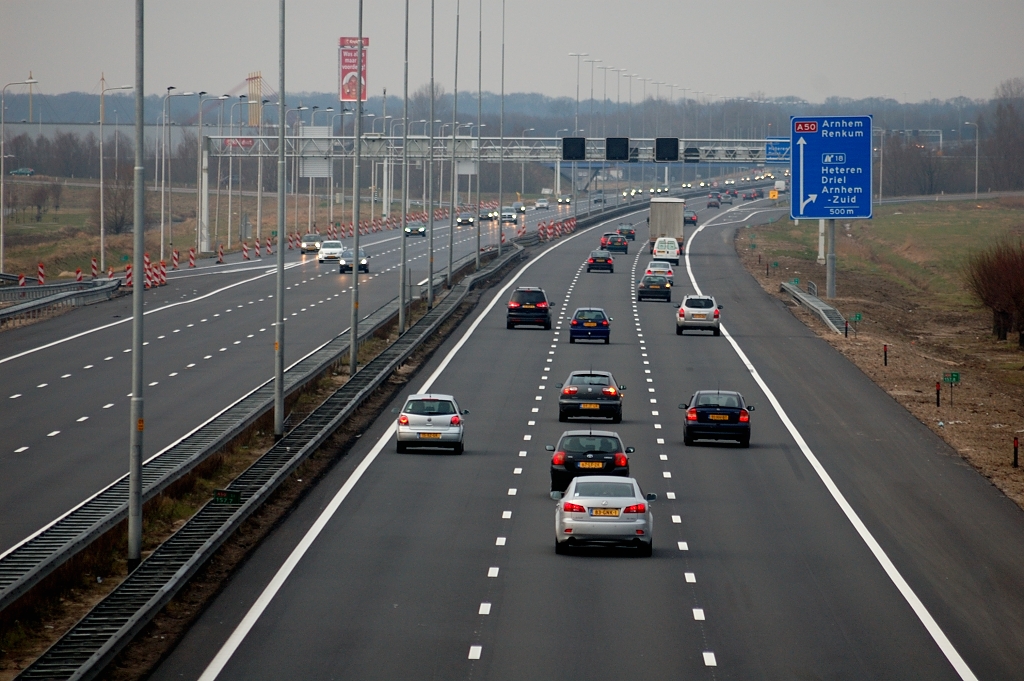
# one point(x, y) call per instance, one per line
point(588, 270)
point(402, 447)
point(560, 548)
point(571, 340)
point(617, 418)
point(687, 440)
point(321, 262)
point(679, 331)
point(547, 326)
point(611, 271)
point(459, 448)
point(745, 442)
point(607, 341)
point(562, 417)
point(647, 549)
point(718, 332)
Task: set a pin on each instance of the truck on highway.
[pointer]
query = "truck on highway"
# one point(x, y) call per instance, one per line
point(781, 186)
point(666, 220)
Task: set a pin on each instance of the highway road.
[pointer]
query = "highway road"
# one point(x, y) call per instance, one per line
point(209, 341)
point(848, 542)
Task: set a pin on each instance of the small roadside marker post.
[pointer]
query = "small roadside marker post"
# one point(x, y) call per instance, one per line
point(846, 328)
point(1015, 452)
point(938, 394)
point(885, 354)
point(952, 378)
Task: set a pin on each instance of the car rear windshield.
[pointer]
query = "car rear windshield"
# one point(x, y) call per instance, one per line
point(311, 237)
point(659, 266)
point(594, 444)
point(647, 281)
point(599, 254)
point(528, 296)
point(718, 400)
point(666, 244)
point(589, 379)
point(604, 489)
point(429, 407)
point(701, 303)
point(590, 315)
point(331, 244)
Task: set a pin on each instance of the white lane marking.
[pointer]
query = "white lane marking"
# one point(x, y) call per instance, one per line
point(82, 418)
point(683, 546)
point(53, 433)
point(655, 413)
point(657, 426)
point(505, 515)
point(709, 660)
point(500, 541)
point(220, 660)
point(690, 577)
point(535, 410)
point(485, 609)
point(698, 614)
point(66, 376)
point(42, 385)
point(19, 450)
point(517, 471)
point(128, 319)
point(944, 644)
point(15, 396)
point(677, 519)
point(527, 437)
point(173, 373)
point(531, 423)
point(661, 441)
point(538, 398)
point(666, 474)
point(107, 359)
point(512, 491)
point(153, 383)
point(670, 495)
point(189, 366)
point(475, 651)
point(108, 405)
point(522, 452)
point(87, 366)
point(663, 457)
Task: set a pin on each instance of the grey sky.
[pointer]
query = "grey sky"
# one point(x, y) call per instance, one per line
point(811, 49)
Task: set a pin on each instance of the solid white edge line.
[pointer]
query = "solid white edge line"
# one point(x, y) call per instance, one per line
point(945, 645)
point(227, 650)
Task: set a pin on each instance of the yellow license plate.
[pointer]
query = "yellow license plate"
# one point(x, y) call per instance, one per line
point(611, 512)
point(591, 464)
point(718, 417)
point(430, 436)
point(589, 323)
point(655, 286)
point(700, 316)
point(590, 405)
point(528, 306)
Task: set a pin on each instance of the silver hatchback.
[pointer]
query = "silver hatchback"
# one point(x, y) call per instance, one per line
point(602, 510)
point(698, 312)
point(430, 421)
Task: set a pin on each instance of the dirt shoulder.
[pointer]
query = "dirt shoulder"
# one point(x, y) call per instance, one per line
point(901, 273)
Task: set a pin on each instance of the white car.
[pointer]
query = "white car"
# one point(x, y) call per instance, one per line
point(604, 510)
point(661, 267)
point(330, 250)
point(699, 312)
point(666, 248)
point(508, 215)
point(542, 204)
point(430, 421)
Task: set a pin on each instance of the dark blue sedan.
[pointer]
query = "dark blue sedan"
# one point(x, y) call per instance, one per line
point(590, 323)
point(717, 415)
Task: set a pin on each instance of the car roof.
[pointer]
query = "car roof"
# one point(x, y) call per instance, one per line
point(529, 288)
point(580, 309)
point(604, 478)
point(599, 433)
point(659, 264)
point(589, 372)
point(430, 396)
point(717, 392)
point(599, 250)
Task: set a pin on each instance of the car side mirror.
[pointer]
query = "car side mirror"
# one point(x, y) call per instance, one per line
point(611, 319)
point(622, 387)
point(556, 495)
point(394, 410)
point(677, 305)
point(719, 307)
point(550, 448)
point(465, 411)
point(684, 405)
point(630, 450)
point(651, 496)
point(750, 407)
point(558, 385)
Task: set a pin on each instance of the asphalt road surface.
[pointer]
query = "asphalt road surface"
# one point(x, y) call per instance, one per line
point(848, 542)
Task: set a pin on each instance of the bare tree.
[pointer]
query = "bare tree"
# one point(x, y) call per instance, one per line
point(56, 189)
point(119, 202)
point(39, 197)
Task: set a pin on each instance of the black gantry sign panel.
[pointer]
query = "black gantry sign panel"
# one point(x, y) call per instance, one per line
point(616, 149)
point(574, 148)
point(666, 149)
point(691, 155)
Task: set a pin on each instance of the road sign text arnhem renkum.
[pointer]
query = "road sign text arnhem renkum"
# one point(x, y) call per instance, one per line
point(831, 167)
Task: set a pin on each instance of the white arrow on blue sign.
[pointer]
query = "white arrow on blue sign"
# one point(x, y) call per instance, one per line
point(831, 166)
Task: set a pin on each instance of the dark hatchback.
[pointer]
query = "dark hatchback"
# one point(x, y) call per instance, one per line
point(528, 305)
point(590, 394)
point(627, 231)
point(654, 286)
point(587, 452)
point(617, 243)
point(600, 260)
point(717, 415)
point(590, 323)
point(689, 217)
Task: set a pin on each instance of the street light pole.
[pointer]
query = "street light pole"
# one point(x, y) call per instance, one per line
point(576, 124)
point(455, 130)
point(479, 117)
point(405, 179)
point(3, 155)
point(231, 167)
point(977, 136)
point(501, 134)
point(522, 179)
point(430, 174)
point(281, 208)
point(103, 231)
point(590, 126)
point(353, 353)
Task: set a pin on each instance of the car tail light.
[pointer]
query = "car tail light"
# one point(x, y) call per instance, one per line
point(403, 420)
point(570, 507)
point(575, 323)
point(570, 390)
point(590, 261)
point(604, 322)
point(691, 414)
point(455, 420)
point(610, 390)
point(512, 305)
point(682, 313)
point(610, 261)
point(717, 315)
point(621, 460)
point(649, 272)
point(635, 508)
point(744, 416)
point(543, 305)
point(640, 532)
point(558, 459)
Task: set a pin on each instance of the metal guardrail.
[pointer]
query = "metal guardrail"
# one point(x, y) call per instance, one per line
point(8, 293)
point(90, 645)
point(831, 316)
point(12, 279)
point(70, 298)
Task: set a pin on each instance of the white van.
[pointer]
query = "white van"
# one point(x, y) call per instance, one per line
point(667, 248)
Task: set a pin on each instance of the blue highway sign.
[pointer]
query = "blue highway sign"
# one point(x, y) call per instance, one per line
point(831, 167)
point(776, 150)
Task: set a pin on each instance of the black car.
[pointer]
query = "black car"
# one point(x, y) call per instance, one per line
point(758, 193)
point(592, 394)
point(654, 286)
point(748, 196)
point(528, 305)
point(587, 452)
point(416, 230)
point(689, 217)
point(717, 415)
point(600, 260)
point(627, 231)
point(617, 243)
point(348, 257)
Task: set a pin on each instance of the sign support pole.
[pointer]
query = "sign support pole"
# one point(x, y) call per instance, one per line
point(830, 272)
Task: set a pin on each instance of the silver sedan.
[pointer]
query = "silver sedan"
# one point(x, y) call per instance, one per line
point(604, 510)
point(699, 312)
point(430, 421)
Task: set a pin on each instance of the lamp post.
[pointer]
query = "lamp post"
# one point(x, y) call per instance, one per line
point(522, 179)
point(604, 100)
point(202, 240)
point(103, 231)
point(259, 174)
point(977, 136)
point(312, 180)
point(3, 172)
point(231, 167)
point(353, 353)
point(479, 119)
point(166, 181)
point(576, 124)
point(501, 133)
point(590, 125)
point(281, 228)
point(341, 131)
point(297, 128)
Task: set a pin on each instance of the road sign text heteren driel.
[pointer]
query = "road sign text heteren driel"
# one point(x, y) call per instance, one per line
point(831, 167)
